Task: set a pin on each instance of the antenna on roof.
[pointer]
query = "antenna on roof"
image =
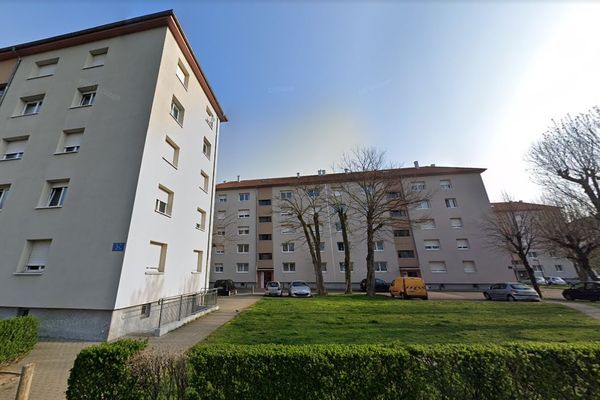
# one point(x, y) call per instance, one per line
point(238, 178)
point(416, 164)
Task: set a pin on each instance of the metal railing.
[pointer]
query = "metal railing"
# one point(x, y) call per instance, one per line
point(176, 308)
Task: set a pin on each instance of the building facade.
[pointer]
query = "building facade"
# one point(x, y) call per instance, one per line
point(108, 140)
point(446, 247)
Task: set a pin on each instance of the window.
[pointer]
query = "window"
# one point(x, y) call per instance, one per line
point(265, 256)
point(243, 248)
point(264, 219)
point(32, 105)
point(171, 152)
point(3, 195)
point(343, 266)
point(264, 236)
point(206, 148)
point(451, 203)
point(220, 250)
point(398, 213)
point(243, 230)
point(221, 215)
point(558, 267)
point(417, 186)
point(177, 110)
point(86, 96)
point(218, 268)
point(285, 195)
point(462, 244)
point(244, 196)
point(37, 255)
point(393, 195)
point(58, 193)
point(427, 224)
point(287, 247)
point(206, 182)
point(340, 246)
point(222, 198)
point(532, 254)
point(537, 268)
point(312, 193)
point(164, 201)
point(378, 245)
point(146, 310)
point(323, 267)
point(433, 244)
point(289, 267)
point(322, 246)
point(202, 224)
point(210, 118)
point(199, 260)
point(469, 267)
point(14, 148)
point(96, 58)
point(243, 214)
point(45, 68)
point(220, 232)
point(287, 231)
point(423, 205)
point(338, 226)
point(285, 214)
point(182, 74)
point(264, 202)
point(456, 223)
point(70, 141)
point(381, 266)
point(401, 232)
point(445, 184)
point(406, 254)
point(243, 268)
point(437, 267)
point(158, 252)
point(2, 90)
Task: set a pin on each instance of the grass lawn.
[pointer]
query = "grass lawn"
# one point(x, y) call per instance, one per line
point(359, 320)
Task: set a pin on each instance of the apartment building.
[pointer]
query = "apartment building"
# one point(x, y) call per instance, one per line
point(108, 145)
point(543, 263)
point(446, 247)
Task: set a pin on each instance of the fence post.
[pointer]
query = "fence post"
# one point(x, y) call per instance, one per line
point(161, 302)
point(25, 382)
point(180, 304)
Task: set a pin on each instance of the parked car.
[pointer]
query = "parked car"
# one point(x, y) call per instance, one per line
point(380, 285)
point(299, 289)
point(555, 280)
point(225, 287)
point(540, 280)
point(273, 288)
point(583, 291)
point(408, 287)
point(511, 291)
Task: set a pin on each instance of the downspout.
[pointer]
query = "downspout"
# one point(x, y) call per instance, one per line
point(212, 199)
point(12, 75)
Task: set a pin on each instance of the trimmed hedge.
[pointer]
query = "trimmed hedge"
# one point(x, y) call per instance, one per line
point(498, 372)
point(17, 337)
point(101, 371)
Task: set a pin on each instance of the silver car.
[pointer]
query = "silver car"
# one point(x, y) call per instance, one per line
point(273, 288)
point(299, 289)
point(511, 291)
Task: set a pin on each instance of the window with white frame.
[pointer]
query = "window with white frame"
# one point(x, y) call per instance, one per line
point(70, 141)
point(456, 223)
point(423, 205)
point(201, 224)
point(427, 224)
point(218, 268)
point(182, 74)
point(537, 268)
point(37, 255)
point(287, 230)
point(86, 96)
point(244, 196)
point(14, 148)
point(177, 110)
point(393, 195)
point(243, 214)
point(96, 58)
point(469, 267)
point(558, 268)
point(342, 266)
point(3, 195)
point(462, 244)
point(57, 193)
point(432, 244)
point(243, 230)
point(445, 184)
point(164, 201)
point(401, 232)
point(381, 266)
point(242, 268)
point(398, 213)
point(287, 247)
point(158, 257)
point(199, 260)
point(219, 249)
point(338, 226)
point(451, 203)
point(437, 267)
point(206, 148)
point(171, 152)
point(210, 118)
point(323, 267)
point(417, 186)
point(222, 198)
point(285, 214)
point(289, 267)
point(285, 195)
point(532, 254)
point(378, 245)
point(322, 246)
point(220, 232)
point(221, 215)
point(32, 105)
point(340, 246)
point(45, 68)
point(206, 183)
point(243, 248)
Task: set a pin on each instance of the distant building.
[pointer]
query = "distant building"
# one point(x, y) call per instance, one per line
point(446, 248)
point(108, 142)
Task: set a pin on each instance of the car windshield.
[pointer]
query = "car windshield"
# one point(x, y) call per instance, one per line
point(273, 284)
point(298, 284)
point(520, 287)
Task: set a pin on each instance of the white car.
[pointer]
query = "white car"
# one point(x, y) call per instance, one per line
point(556, 280)
point(299, 289)
point(540, 280)
point(273, 288)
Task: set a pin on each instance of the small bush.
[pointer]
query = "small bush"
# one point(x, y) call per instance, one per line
point(160, 375)
point(101, 372)
point(17, 337)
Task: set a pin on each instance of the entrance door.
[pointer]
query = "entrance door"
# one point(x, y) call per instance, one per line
point(268, 276)
point(264, 277)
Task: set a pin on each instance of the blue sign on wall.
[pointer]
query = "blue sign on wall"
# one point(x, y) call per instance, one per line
point(118, 247)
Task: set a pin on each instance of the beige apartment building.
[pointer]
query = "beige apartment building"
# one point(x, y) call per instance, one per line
point(446, 247)
point(108, 144)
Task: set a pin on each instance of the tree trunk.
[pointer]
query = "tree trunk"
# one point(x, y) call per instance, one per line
point(348, 271)
point(584, 264)
point(530, 274)
point(370, 260)
point(317, 259)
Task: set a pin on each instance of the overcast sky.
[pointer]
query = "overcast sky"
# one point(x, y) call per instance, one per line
point(452, 83)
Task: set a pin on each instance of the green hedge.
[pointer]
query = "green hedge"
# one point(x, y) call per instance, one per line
point(101, 371)
point(519, 371)
point(17, 337)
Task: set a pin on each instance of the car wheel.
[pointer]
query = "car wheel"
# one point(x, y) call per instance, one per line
point(510, 298)
point(487, 296)
point(568, 297)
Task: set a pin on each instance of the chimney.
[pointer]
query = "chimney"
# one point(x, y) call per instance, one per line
point(297, 174)
point(432, 165)
point(238, 179)
point(346, 170)
point(416, 164)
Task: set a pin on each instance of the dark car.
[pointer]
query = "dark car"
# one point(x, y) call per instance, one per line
point(225, 287)
point(380, 285)
point(583, 291)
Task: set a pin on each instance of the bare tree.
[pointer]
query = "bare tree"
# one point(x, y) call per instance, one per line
point(567, 160)
point(340, 209)
point(376, 192)
point(566, 229)
point(515, 230)
point(303, 211)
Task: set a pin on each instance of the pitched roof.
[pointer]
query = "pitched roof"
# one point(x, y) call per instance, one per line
point(124, 27)
point(344, 177)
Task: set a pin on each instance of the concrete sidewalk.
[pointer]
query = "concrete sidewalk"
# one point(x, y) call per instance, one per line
point(590, 311)
point(54, 360)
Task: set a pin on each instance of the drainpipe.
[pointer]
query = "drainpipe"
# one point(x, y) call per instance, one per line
point(212, 199)
point(12, 75)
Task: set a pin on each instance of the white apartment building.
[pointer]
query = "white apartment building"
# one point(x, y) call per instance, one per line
point(108, 145)
point(446, 247)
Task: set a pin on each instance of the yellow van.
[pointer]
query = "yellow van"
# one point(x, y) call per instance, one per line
point(405, 287)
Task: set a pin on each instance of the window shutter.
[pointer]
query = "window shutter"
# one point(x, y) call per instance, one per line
point(163, 196)
point(155, 251)
point(47, 69)
point(15, 146)
point(98, 59)
point(39, 252)
point(73, 139)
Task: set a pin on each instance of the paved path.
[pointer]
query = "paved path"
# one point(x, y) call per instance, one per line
point(590, 311)
point(54, 360)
